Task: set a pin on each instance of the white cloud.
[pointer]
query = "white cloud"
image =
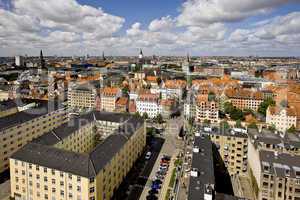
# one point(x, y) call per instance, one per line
point(67, 27)
point(135, 30)
point(196, 12)
point(164, 23)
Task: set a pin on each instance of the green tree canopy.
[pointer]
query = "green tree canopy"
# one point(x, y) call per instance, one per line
point(262, 109)
point(292, 129)
point(253, 125)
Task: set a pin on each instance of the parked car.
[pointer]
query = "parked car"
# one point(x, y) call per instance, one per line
point(152, 191)
point(148, 155)
point(166, 157)
point(152, 197)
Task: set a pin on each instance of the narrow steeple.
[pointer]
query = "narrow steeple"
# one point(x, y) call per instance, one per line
point(42, 61)
point(103, 56)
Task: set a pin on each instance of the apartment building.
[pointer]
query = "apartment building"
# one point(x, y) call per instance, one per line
point(148, 103)
point(173, 89)
point(189, 107)
point(202, 181)
point(67, 163)
point(281, 118)
point(233, 148)
point(16, 130)
point(122, 104)
point(82, 96)
point(207, 109)
point(278, 176)
point(108, 98)
point(274, 141)
point(245, 99)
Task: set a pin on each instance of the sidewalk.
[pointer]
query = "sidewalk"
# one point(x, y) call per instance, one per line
point(165, 186)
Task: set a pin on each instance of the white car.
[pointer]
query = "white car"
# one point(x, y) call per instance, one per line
point(148, 155)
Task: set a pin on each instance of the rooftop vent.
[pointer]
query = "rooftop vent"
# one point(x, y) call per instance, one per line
point(196, 149)
point(194, 172)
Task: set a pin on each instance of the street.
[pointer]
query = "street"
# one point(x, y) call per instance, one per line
point(171, 147)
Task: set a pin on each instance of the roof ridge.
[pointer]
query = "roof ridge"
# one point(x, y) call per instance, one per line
point(53, 132)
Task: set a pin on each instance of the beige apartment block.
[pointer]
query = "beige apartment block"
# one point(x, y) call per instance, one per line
point(82, 96)
point(279, 176)
point(233, 147)
point(86, 158)
point(109, 96)
point(206, 109)
point(18, 129)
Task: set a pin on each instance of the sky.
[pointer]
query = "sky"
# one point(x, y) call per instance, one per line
point(159, 27)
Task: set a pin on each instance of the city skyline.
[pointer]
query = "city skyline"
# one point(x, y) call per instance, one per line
point(200, 27)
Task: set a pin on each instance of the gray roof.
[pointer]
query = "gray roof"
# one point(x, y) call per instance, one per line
point(8, 104)
point(203, 161)
point(41, 151)
point(288, 140)
point(280, 165)
point(27, 115)
point(226, 132)
point(51, 157)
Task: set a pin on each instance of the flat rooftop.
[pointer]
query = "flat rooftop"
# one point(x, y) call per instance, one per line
point(280, 164)
point(287, 140)
point(203, 162)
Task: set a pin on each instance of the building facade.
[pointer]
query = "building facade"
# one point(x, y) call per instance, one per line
point(67, 164)
point(109, 96)
point(207, 110)
point(233, 148)
point(150, 104)
point(282, 119)
point(245, 99)
point(82, 97)
point(20, 128)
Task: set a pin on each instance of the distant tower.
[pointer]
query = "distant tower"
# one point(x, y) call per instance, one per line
point(186, 64)
point(141, 55)
point(103, 56)
point(19, 61)
point(42, 61)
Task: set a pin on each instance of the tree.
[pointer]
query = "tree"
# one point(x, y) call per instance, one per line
point(228, 107)
point(224, 125)
point(159, 119)
point(145, 115)
point(211, 96)
point(272, 128)
point(125, 91)
point(237, 114)
point(137, 114)
point(238, 124)
point(158, 80)
point(262, 109)
point(206, 122)
point(284, 103)
point(252, 125)
point(292, 129)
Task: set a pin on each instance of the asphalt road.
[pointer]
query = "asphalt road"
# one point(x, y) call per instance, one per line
point(135, 181)
point(169, 147)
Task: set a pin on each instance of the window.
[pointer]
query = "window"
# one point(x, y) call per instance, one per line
point(92, 189)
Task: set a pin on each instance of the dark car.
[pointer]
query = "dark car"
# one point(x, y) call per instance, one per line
point(152, 197)
point(153, 192)
point(157, 181)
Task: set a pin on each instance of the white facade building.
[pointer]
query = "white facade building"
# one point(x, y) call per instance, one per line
point(148, 103)
point(282, 119)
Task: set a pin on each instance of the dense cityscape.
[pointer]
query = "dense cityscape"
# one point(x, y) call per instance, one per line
point(154, 122)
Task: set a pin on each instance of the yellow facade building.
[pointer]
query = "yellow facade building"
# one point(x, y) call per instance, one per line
point(17, 129)
point(86, 158)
